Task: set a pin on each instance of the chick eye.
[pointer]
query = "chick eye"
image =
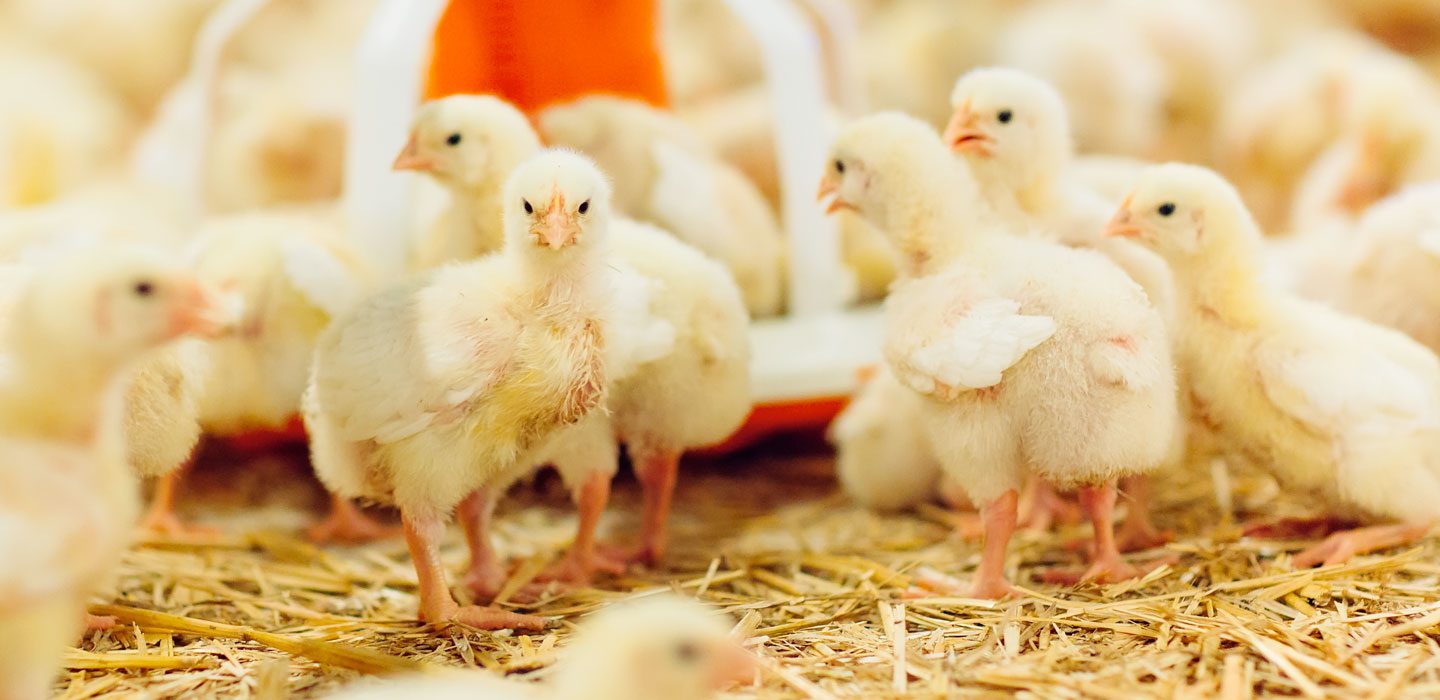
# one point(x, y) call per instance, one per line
point(1005, 116)
point(1166, 209)
point(528, 209)
point(143, 288)
point(839, 166)
point(687, 653)
point(453, 139)
point(584, 206)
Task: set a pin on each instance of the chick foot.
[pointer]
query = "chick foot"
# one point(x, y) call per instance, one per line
point(484, 618)
point(347, 524)
point(484, 579)
point(97, 623)
point(577, 568)
point(160, 518)
point(1298, 528)
point(1341, 546)
point(988, 587)
point(584, 560)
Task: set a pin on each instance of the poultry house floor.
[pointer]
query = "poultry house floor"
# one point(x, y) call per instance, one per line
point(814, 581)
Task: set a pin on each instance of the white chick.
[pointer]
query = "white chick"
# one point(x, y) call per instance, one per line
point(469, 144)
point(1387, 270)
point(428, 392)
point(67, 499)
point(654, 648)
point(1033, 357)
point(707, 50)
point(1113, 83)
point(664, 177)
point(1331, 405)
point(60, 127)
point(883, 456)
point(1012, 131)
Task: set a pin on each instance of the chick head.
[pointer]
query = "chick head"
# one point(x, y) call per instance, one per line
point(115, 302)
point(656, 648)
point(1009, 125)
point(467, 141)
point(1188, 214)
point(888, 164)
point(556, 200)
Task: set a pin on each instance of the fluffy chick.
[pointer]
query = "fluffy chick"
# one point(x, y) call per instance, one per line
point(664, 177)
point(1331, 405)
point(469, 144)
point(655, 648)
point(1032, 356)
point(434, 389)
point(883, 456)
point(67, 499)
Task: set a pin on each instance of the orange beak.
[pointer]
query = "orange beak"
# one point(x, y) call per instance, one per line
point(963, 134)
point(1364, 182)
point(411, 158)
point(558, 228)
point(736, 665)
point(200, 312)
point(830, 189)
point(1120, 225)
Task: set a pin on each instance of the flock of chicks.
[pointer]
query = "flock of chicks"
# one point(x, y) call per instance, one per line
point(1054, 323)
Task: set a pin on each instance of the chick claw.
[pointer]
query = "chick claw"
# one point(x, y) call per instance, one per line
point(94, 623)
point(487, 618)
point(349, 527)
point(1105, 570)
point(484, 581)
point(581, 569)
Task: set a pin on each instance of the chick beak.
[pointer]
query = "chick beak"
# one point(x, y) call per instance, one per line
point(1363, 181)
point(411, 158)
point(558, 228)
point(201, 312)
point(735, 665)
point(1120, 225)
point(962, 135)
point(830, 189)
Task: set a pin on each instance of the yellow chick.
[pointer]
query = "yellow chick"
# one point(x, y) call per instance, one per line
point(664, 177)
point(469, 144)
point(67, 498)
point(654, 648)
point(883, 456)
point(432, 390)
point(1331, 405)
point(1031, 356)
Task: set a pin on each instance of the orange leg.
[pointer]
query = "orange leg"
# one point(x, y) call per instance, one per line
point(1299, 528)
point(348, 524)
point(1138, 531)
point(98, 622)
point(1341, 546)
point(486, 574)
point(657, 473)
point(160, 518)
point(1041, 506)
point(584, 560)
point(422, 535)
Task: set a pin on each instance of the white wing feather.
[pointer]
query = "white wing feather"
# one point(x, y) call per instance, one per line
point(637, 336)
point(1331, 393)
point(685, 198)
point(976, 348)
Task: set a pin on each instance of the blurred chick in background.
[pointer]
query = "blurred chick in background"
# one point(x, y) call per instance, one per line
point(67, 498)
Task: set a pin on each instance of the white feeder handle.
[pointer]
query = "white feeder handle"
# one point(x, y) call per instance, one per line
point(837, 19)
point(390, 67)
point(795, 80)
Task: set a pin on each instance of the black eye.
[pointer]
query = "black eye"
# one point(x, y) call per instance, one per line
point(1005, 116)
point(687, 652)
point(584, 206)
point(452, 139)
point(1166, 209)
point(143, 288)
point(528, 209)
point(839, 166)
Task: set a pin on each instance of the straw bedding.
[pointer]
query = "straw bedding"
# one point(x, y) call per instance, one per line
point(813, 581)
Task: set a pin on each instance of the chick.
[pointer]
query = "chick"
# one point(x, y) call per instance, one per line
point(428, 392)
point(469, 144)
point(654, 648)
point(67, 499)
point(1385, 270)
point(883, 457)
point(1331, 405)
point(665, 178)
point(1032, 357)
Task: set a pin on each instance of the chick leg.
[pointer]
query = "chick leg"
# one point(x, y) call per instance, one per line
point(486, 574)
point(1139, 531)
point(160, 518)
point(95, 623)
point(347, 523)
point(423, 533)
point(1106, 565)
point(1041, 506)
point(584, 559)
point(1339, 547)
point(657, 472)
point(1001, 517)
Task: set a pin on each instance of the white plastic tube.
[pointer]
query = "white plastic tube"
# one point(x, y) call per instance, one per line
point(390, 68)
